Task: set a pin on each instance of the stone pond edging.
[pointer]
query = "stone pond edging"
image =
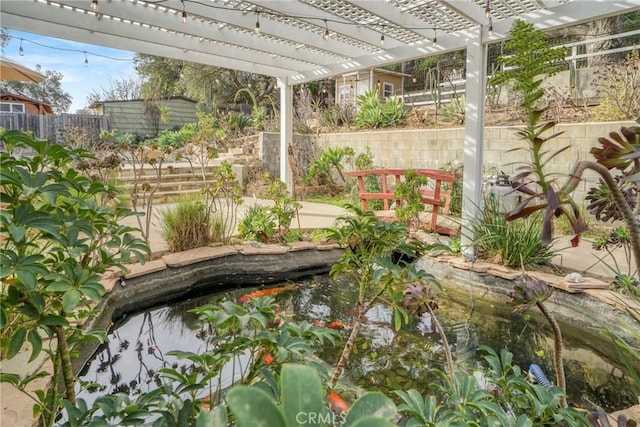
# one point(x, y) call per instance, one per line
point(204, 269)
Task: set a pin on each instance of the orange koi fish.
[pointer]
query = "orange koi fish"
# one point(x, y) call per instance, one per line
point(338, 324)
point(265, 292)
point(337, 403)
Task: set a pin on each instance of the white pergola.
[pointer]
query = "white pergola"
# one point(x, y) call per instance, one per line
point(298, 41)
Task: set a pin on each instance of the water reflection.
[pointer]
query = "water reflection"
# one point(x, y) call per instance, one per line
point(383, 358)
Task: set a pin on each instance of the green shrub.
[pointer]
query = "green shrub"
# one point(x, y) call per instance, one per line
point(258, 224)
point(516, 244)
point(186, 226)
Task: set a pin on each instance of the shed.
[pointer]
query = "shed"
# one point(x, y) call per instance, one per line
point(12, 103)
point(144, 117)
point(351, 85)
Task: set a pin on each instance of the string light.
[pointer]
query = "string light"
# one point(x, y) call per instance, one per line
point(184, 13)
point(487, 10)
point(490, 31)
point(382, 37)
point(414, 79)
point(256, 29)
point(86, 53)
point(327, 34)
point(86, 60)
point(94, 5)
point(434, 42)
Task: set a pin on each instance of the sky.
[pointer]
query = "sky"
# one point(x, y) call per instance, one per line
point(79, 79)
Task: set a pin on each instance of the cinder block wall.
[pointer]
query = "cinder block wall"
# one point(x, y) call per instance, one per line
point(434, 148)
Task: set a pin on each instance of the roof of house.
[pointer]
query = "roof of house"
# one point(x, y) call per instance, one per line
point(41, 104)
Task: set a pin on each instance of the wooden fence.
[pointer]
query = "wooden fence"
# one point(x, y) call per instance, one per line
point(52, 126)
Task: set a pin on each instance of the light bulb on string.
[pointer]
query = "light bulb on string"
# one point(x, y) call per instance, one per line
point(86, 59)
point(21, 50)
point(490, 30)
point(487, 10)
point(94, 5)
point(184, 13)
point(382, 37)
point(327, 34)
point(434, 42)
point(256, 29)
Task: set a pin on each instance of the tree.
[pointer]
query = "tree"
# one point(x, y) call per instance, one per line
point(49, 90)
point(210, 85)
point(161, 76)
point(58, 242)
point(118, 90)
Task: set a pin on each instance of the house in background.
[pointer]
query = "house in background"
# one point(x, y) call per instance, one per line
point(143, 117)
point(11, 103)
point(351, 85)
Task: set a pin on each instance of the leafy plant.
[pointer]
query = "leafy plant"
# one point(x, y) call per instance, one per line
point(515, 244)
point(454, 188)
point(370, 262)
point(57, 243)
point(408, 194)
point(223, 195)
point(330, 162)
point(501, 397)
point(372, 183)
point(284, 207)
point(301, 401)
point(257, 224)
point(186, 226)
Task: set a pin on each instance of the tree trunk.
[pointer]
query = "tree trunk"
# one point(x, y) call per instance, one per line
point(558, 364)
point(65, 361)
point(346, 352)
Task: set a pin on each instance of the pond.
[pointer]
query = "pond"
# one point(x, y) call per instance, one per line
point(383, 359)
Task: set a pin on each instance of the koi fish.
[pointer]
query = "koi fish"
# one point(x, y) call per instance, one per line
point(338, 324)
point(265, 292)
point(337, 403)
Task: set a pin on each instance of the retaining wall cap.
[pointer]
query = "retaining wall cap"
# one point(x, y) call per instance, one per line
point(193, 256)
point(148, 267)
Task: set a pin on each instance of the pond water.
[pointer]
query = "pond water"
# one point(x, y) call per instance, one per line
point(383, 359)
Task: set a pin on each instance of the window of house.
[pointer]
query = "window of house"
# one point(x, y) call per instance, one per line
point(387, 90)
point(11, 107)
point(344, 93)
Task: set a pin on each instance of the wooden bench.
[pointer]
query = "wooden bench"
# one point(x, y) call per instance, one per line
point(435, 195)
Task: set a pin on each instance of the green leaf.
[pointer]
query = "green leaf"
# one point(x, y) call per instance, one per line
point(217, 417)
point(301, 393)
point(253, 407)
point(16, 342)
point(374, 404)
point(70, 300)
point(36, 344)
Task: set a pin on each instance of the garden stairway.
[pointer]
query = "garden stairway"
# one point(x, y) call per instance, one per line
point(180, 178)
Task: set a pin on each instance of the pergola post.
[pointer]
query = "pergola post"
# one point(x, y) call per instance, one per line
point(473, 149)
point(286, 130)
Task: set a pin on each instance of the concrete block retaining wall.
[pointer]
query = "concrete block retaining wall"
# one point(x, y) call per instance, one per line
point(434, 148)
